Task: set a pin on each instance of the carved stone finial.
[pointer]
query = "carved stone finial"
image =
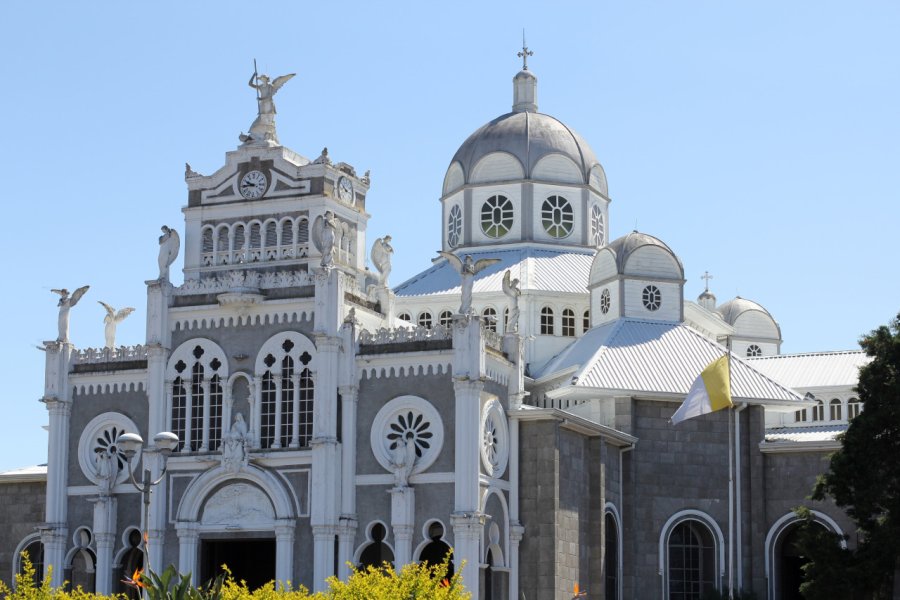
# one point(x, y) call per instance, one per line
point(525, 53)
point(189, 172)
point(323, 158)
point(367, 178)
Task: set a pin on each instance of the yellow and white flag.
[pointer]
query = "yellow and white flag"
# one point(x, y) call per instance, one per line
point(710, 392)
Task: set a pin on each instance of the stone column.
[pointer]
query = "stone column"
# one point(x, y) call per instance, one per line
point(54, 537)
point(403, 519)
point(323, 555)
point(105, 540)
point(467, 529)
point(346, 536)
point(284, 550)
point(468, 412)
point(295, 405)
point(188, 547)
point(276, 377)
point(349, 396)
point(516, 532)
point(256, 412)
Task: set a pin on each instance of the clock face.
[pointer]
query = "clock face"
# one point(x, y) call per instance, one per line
point(345, 190)
point(253, 185)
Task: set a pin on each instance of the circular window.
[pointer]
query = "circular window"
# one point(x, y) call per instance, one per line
point(754, 350)
point(496, 216)
point(454, 226)
point(652, 297)
point(556, 216)
point(407, 420)
point(596, 226)
point(98, 455)
point(494, 439)
point(604, 301)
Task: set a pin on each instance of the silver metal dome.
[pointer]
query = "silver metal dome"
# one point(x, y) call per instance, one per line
point(529, 137)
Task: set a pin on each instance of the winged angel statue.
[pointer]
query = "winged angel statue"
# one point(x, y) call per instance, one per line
point(263, 127)
point(325, 232)
point(467, 269)
point(66, 302)
point(110, 321)
point(381, 258)
point(169, 243)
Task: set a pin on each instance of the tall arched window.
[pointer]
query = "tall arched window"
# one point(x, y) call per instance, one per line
point(568, 322)
point(196, 397)
point(132, 560)
point(586, 321)
point(286, 393)
point(611, 559)
point(490, 319)
point(446, 318)
point(33, 550)
point(854, 406)
point(437, 549)
point(834, 408)
point(377, 552)
point(425, 319)
point(547, 324)
point(818, 411)
point(691, 567)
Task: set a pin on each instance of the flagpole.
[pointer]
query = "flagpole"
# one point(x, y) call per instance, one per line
point(731, 515)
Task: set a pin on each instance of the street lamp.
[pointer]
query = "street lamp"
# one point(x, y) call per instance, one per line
point(129, 444)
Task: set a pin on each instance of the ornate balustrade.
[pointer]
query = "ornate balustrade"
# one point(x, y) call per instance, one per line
point(106, 355)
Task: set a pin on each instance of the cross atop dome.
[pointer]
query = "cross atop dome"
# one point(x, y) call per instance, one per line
point(525, 53)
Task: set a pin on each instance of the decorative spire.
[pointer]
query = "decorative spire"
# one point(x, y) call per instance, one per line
point(707, 299)
point(525, 53)
point(524, 83)
point(707, 277)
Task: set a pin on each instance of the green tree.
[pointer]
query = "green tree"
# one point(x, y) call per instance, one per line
point(863, 478)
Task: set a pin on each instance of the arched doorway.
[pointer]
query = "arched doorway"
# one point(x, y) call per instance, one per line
point(611, 559)
point(377, 552)
point(790, 565)
point(437, 549)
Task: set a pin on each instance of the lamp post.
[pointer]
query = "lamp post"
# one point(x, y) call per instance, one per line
point(129, 443)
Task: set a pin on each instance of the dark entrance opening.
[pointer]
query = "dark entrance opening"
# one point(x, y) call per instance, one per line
point(250, 560)
point(791, 567)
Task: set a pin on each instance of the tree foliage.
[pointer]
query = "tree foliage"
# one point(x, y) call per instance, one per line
point(863, 478)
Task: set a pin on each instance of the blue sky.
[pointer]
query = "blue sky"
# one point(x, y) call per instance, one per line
point(759, 140)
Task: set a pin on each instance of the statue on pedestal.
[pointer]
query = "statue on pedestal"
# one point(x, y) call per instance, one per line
point(403, 460)
point(467, 270)
point(512, 291)
point(235, 445)
point(66, 302)
point(263, 127)
point(111, 320)
point(169, 243)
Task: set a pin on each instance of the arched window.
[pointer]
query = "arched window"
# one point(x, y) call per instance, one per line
point(425, 319)
point(132, 560)
point(405, 317)
point(286, 396)
point(611, 559)
point(222, 253)
point(818, 411)
point(206, 246)
point(437, 549)
point(490, 319)
point(854, 406)
point(691, 569)
point(271, 240)
point(81, 570)
point(834, 408)
point(547, 324)
point(754, 350)
point(377, 552)
point(33, 550)
point(240, 243)
point(586, 321)
point(446, 318)
point(302, 237)
point(568, 322)
point(197, 397)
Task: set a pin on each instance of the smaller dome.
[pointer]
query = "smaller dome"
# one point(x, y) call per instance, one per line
point(707, 300)
point(627, 245)
point(733, 309)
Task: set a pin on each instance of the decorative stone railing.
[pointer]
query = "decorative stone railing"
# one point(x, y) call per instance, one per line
point(106, 355)
point(492, 339)
point(403, 335)
point(244, 280)
point(255, 255)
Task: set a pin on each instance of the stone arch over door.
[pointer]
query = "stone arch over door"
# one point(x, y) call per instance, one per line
point(252, 500)
point(777, 533)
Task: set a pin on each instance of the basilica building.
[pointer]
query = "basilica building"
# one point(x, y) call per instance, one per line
point(509, 404)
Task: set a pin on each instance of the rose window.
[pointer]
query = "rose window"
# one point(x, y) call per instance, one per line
point(494, 439)
point(652, 298)
point(98, 438)
point(490, 441)
point(496, 216)
point(106, 443)
point(411, 427)
point(557, 217)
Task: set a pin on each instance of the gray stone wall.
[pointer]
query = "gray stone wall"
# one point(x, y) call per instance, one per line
point(23, 511)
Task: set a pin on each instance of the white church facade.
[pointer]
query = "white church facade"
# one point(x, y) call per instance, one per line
point(509, 403)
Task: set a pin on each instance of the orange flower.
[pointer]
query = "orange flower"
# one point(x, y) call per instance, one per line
point(135, 580)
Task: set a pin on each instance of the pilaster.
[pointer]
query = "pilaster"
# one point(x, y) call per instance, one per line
point(403, 518)
point(105, 539)
point(467, 530)
point(346, 536)
point(284, 550)
point(188, 546)
point(516, 533)
point(53, 537)
point(468, 412)
point(323, 555)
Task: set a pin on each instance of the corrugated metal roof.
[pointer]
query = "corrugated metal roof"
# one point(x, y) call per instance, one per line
point(536, 269)
point(822, 433)
point(813, 370)
point(656, 357)
point(34, 473)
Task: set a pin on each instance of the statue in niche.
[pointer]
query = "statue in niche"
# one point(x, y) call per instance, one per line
point(66, 302)
point(169, 243)
point(107, 466)
point(263, 127)
point(382, 252)
point(325, 236)
point(467, 270)
point(403, 459)
point(111, 320)
point(512, 291)
point(236, 445)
